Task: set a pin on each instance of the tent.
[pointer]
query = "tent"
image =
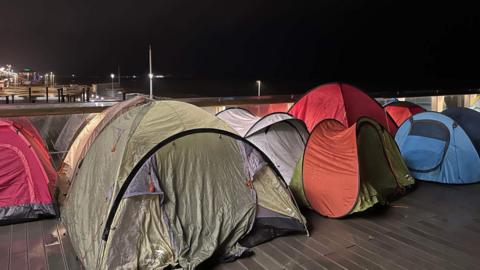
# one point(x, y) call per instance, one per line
point(342, 102)
point(80, 146)
point(400, 111)
point(70, 130)
point(348, 170)
point(280, 136)
point(27, 176)
point(166, 183)
point(442, 147)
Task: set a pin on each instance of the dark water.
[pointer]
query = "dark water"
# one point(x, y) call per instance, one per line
point(190, 87)
point(187, 87)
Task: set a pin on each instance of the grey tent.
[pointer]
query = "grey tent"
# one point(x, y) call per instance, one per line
point(167, 184)
point(70, 130)
point(279, 135)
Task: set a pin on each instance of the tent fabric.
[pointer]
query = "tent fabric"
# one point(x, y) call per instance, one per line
point(26, 173)
point(437, 148)
point(278, 135)
point(72, 127)
point(206, 200)
point(342, 102)
point(400, 111)
point(348, 170)
point(86, 137)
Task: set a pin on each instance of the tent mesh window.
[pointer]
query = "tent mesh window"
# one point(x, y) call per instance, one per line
point(429, 139)
point(430, 129)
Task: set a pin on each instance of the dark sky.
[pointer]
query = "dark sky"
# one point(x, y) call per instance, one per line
point(367, 41)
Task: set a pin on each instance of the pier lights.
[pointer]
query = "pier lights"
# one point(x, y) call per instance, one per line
point(112, 76)
point(150, 75)
point(259, 86)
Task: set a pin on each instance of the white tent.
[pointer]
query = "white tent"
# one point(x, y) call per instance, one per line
point(279, 135)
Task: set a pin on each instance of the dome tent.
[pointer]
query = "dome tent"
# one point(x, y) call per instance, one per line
point(442, 147)
point(175, 187)
point(400, 111)
point(27, 176)
point(348, 170)
point(342, 102)
point(280, 136)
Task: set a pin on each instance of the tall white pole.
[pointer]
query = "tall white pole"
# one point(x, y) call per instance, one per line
point(259, 84)
point(150, 74)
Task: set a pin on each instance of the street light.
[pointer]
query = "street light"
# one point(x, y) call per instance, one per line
point(259, 85)
point(150, 76)
point(113, 77)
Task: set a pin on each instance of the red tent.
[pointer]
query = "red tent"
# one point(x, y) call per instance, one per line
point(27, 176)
point(342, 102)
point(400, 111)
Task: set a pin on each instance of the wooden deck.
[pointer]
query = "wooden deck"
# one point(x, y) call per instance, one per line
point(434, 227)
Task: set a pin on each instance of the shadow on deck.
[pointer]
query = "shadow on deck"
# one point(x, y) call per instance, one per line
point(434, 227)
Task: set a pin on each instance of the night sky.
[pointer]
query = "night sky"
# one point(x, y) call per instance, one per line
point(386, 43)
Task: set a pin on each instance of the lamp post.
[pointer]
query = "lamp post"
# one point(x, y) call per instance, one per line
point(112, 76)
point(259, 86)
point(150, 74)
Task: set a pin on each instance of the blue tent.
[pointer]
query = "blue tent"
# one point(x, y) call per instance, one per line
point(442, 147)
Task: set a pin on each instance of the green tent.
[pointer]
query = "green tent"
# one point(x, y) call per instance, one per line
point(168, 184)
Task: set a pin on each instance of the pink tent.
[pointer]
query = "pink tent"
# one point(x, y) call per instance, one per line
point(27, 176)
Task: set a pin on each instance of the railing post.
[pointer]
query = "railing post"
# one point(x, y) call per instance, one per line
point(63, 96)
point(88, 94)
point(124, 96)
point(59, 95)
point(6, 99)
point(46, 94)
point(13, 98)
point(30, 94)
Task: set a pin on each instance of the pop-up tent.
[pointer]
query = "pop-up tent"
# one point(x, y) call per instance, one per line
point(27, 176)
point(400, 111)
point(280, 136)
point(442, 147)
point(167, 183)
point(342, 102)
point(80, 146)
point(348, 170)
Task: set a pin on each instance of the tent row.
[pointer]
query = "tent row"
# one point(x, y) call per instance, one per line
point(155, 184)
point(348, 164)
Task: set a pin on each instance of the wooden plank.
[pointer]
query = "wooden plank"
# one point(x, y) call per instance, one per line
point(342, 260)
point(36, 249)
point(311, 252)
point(280, 257)
point(264, 260)
point(52, 245)
point(19, 255)
point(5, 245)
point(73, 263)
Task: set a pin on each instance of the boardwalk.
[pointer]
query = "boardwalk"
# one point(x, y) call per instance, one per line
point(434, 227)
